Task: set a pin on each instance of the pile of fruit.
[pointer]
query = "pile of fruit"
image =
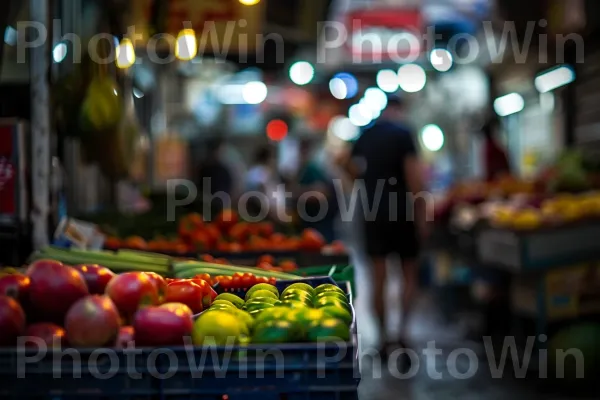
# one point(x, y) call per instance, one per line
point(553, 211)
point(227, 234)
point(300, 313)
point(55, 305)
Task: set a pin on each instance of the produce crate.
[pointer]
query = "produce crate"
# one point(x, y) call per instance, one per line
point(303, 371)
point(57, 376)
point(306, 370)
point(538, 250)
point(339, 273)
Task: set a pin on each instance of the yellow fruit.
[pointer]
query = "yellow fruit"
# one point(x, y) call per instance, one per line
point(217, 328)
point(527, 220)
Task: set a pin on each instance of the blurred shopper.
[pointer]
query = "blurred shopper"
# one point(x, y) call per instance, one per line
point(495, 159)
point(315, 192)
point(263, 178)
point(214, 175)
point(385, 160)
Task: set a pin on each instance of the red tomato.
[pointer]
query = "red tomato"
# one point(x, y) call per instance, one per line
point(267, 258)
point(265, 265)
point(272, 281)
point(236, 282)
point(188, 293)
point(221, 261)
point(266, 229)
point(278, 238)
point(238, 274)
point(226, 219)
point(312, 240)
point(239, 232)
point(213, 233)
point(207, 258)
point(288, 266)
point(262, 279)
point(112, 243)
point(204, 277)
point(235, 248)
point(223, 247)
point(226, 282)
point(248, 280)
point(201, 241)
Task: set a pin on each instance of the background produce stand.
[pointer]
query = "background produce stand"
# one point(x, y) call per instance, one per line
point(552, 273)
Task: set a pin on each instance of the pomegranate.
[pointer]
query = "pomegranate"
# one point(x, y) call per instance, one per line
point(159, 326)
point(15, 286)
point(96, 277)
point(126, 336)
point(12, 321)
point(53, 336)
point(54, 288)
point(92, 322)
point(160, 282)
point(131, 290)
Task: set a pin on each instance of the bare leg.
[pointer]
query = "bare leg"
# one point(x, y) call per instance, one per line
point(410, 270)
point(379, 280)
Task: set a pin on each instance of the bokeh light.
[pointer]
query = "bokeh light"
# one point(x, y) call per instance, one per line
point(432, 137)
point(412, 78)
point(302, 73)
point(387, 80)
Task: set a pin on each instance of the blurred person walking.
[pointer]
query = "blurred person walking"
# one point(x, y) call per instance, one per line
point(315, 184)
point(214, 175)
point(384, 158)
point(495, 159)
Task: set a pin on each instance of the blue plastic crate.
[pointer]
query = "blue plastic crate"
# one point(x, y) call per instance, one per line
point(306, 371)
point(91, 374)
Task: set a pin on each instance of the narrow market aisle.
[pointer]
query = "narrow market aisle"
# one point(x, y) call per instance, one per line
point(440, 377)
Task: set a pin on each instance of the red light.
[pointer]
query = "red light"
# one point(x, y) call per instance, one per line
point(277, 130)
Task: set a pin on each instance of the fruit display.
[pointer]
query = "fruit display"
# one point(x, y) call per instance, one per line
point(59, 305)
point(542, 213)
point(227, 234)
point(300, 313)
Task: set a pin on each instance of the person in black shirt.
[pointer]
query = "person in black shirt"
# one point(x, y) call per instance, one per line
point(384, 158)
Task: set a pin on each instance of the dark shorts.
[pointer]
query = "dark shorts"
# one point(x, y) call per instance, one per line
point(384, 238)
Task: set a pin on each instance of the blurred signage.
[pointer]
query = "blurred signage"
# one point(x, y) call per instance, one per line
point(386, 33)
point(222, 26)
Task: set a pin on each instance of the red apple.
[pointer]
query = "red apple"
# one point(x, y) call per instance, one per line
point(93, 321)
point(96, 277)
point(54, 289)
point(158, 326)
point(132, 290)
point(15, 286)
point(12, 321)
point(160, 283)
point(53, 336)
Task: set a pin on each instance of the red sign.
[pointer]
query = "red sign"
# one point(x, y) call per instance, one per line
point(8, 172)
point(389, 33)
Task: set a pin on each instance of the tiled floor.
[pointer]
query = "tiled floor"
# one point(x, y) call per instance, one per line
point(439, 377)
